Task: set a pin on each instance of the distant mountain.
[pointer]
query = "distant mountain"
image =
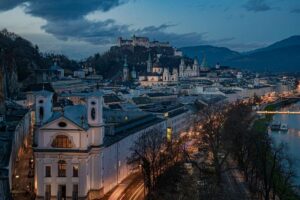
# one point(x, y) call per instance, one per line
point(282, 56)
point(291, 41)
point(213, 54)
point(285, 59)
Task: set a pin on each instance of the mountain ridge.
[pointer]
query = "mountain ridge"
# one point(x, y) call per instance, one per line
point(280, 56)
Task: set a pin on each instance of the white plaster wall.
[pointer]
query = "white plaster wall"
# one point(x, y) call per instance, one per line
point(115, 167)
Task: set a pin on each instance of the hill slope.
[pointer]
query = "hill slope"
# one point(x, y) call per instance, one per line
point(291, 41)
point(27, 57)
point(213, 54)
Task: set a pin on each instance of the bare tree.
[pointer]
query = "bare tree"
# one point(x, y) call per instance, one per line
point(146, 153)
point(212, 137)
point(155, 154)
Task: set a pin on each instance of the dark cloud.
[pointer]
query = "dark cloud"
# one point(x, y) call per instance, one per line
point(10, 4)
point(106, 32)
point(68, 9)
point(65, 20)
point(296, 10)
point(257, 5)
point(61, 9)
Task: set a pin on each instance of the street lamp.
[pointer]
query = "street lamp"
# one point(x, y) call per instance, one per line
point(169, 134)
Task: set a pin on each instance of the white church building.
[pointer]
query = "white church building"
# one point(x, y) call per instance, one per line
point(74, 158)
point(158, 75)
point(187, 71)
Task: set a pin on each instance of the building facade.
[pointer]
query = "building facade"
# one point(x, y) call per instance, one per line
point(186, 71)
point(158, 75)
point(140, 41)
point(74, 157)
point(68, 149)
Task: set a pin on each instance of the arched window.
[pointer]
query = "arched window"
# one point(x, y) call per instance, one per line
point(93, 113)
point(62, 168)
point(62, 141)
point(41, 113)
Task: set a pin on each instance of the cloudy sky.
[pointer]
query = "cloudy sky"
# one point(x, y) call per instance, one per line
point(79, 28)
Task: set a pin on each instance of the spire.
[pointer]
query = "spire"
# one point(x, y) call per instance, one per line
point(196, 60)
point(203, 64)
point(125, 70)
point(149, 63)
point(182, 62)
point(125, 62)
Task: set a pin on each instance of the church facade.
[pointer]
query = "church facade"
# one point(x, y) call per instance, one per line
point(187, 71)
point(157, 75)
point(74, 159)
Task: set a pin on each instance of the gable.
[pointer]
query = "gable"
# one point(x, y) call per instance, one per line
point(62, 123)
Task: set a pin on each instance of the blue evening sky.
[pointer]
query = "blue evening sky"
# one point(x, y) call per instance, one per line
point(80, 28)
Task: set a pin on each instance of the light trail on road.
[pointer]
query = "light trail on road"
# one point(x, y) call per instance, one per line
point(135, 195)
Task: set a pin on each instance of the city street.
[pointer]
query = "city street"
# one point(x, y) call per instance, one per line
point(22, 180)
point(132, 188)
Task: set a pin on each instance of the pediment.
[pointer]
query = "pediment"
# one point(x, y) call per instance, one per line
point(61, 123)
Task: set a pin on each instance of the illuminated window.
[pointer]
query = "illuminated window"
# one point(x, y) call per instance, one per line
point(62, 141)
point(169, 134)
point(75, 171)
point(48, 171)
point(62, 168)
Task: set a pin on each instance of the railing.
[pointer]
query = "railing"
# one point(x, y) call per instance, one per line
point(279, 112)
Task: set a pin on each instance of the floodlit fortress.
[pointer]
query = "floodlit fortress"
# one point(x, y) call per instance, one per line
point(141, 41)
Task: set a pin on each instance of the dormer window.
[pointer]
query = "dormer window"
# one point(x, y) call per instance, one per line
point(93, 113)
point(62, 141)
point(62, 124)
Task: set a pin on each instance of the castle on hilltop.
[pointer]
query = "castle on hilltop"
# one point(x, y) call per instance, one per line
point(141, 41)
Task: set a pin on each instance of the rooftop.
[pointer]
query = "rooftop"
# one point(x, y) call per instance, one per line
point(129, 127)
point(76, 114)
point(141, 100)
point(159, 94)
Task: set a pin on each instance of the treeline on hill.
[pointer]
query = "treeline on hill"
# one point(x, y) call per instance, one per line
point(27, 57)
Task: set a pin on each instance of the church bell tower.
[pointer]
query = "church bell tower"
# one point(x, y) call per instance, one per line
point(125, 71)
